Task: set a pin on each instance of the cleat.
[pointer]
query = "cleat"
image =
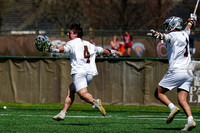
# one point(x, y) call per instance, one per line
point(97, 104)
point(189, 126)
point(60, 116)
point(173, 112)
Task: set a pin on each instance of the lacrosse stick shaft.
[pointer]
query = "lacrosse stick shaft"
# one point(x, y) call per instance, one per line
point(195, 9)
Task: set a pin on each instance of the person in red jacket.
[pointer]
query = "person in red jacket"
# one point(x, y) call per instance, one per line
point(128, 43)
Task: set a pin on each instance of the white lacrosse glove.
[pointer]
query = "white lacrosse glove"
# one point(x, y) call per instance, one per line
point(155, 34)
point(113, 53)
point(192, 20)
point(53, 49)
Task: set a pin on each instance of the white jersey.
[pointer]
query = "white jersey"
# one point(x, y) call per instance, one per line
point(177, 45)
point(82, 56)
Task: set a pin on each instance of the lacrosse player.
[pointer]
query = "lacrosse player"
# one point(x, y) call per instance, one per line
point(177, 45)
point(82, 55)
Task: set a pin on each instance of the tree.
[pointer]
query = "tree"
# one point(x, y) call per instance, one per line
point(59, 13)
point(4, 7)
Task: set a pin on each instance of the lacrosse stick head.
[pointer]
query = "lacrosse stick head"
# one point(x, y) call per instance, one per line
point(194, 69)
point(172, 23)
point(42, 43)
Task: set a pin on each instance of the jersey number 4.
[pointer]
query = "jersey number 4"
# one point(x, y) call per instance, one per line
point(86, 54)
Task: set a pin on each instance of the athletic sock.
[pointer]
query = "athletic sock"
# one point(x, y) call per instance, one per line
point(171, 106)
point(62, 112)
point(190, 118)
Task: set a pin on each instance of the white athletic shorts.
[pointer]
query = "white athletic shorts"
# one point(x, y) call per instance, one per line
point(81, 80)
point(180, 79)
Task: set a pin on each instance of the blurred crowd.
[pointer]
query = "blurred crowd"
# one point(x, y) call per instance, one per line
point(124, 45)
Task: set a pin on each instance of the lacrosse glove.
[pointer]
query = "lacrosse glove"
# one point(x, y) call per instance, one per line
point(155, 34)
point(192, 20)
point(53, 49)
point(112, 52)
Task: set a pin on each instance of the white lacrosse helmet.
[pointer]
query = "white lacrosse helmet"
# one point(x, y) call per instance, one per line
point(42, 43)
point(173, 23)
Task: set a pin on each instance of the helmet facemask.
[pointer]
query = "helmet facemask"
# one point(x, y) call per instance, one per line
point(172, 23)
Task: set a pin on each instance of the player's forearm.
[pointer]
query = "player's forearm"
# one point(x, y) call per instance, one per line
point(189, 25)
point(61, 49)
point(99, 50)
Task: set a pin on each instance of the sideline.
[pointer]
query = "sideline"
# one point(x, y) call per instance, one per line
point(139, 117)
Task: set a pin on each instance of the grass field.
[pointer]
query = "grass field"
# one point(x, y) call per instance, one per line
point(81, 118)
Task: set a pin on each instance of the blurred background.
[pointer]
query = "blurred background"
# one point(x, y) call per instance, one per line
point(101, 20)
point(28, 75)
point(98, 15)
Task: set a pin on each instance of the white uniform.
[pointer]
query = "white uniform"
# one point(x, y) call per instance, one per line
point(177, 45)
point(82, 56)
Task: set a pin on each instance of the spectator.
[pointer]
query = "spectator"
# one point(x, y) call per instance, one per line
point(128, 43)
point(115, 45)
point(92, 41)
point(121, 48)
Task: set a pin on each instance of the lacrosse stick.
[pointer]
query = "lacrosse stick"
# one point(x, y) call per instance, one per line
point(194, 69)
point(195, 9)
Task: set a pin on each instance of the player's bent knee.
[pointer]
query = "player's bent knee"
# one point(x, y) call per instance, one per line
point(72, 88)
point(156, 93)
point(82, 95)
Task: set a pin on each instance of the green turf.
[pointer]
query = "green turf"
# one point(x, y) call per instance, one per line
point(81, 118)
